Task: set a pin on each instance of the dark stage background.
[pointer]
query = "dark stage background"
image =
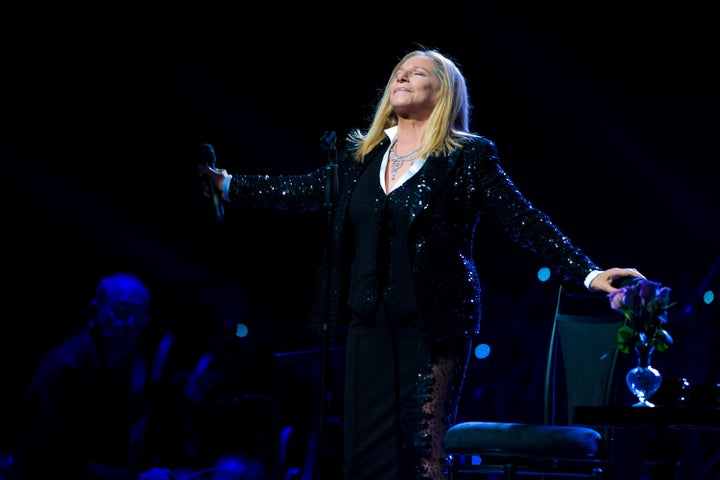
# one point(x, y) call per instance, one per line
point(606, 116)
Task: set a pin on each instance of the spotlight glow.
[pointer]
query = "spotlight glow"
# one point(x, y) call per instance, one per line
point(482, 351)
point(543, 274)
point(708, 297)
point(241, 330)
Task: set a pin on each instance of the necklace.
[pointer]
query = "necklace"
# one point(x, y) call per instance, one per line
point(397, 161)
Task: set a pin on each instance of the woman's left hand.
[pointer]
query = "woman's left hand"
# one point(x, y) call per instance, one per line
point(604, 281)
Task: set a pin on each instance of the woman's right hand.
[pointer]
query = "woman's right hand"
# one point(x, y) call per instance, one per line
point(215, 176)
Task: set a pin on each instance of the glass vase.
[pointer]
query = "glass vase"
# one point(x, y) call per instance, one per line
point(643, 380)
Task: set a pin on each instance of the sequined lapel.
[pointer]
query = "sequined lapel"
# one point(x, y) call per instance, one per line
point(430, 179)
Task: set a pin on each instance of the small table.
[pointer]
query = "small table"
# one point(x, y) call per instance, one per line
point(663, 456)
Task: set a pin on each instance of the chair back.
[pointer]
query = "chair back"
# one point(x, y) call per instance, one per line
point(582, 357)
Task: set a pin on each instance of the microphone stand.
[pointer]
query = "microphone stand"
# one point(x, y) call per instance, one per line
point(327, 142)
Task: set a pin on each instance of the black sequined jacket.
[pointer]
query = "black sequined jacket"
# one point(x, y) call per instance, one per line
point(451, 195)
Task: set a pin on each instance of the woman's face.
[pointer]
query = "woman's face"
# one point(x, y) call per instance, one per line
point(414, 90)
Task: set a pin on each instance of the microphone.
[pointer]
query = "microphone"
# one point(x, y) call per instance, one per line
point(327, 142)
point(208, 154)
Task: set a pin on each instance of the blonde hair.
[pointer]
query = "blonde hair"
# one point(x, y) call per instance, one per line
point(449, 120)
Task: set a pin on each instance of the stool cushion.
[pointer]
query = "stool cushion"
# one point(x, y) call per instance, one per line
point(509, 438)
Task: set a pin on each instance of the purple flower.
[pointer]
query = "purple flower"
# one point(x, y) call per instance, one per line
point(644, 305)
